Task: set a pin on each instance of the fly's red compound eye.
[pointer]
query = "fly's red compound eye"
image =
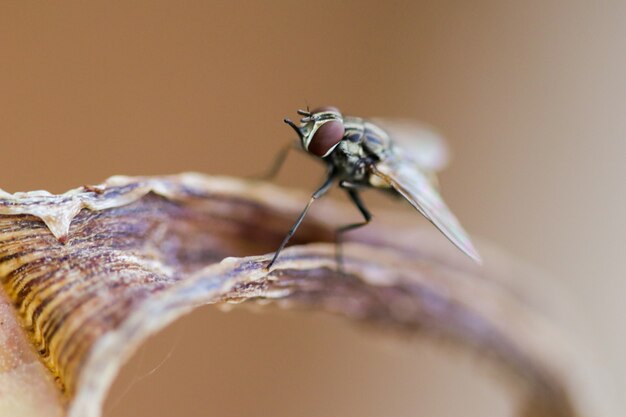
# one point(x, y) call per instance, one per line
point(326, 137)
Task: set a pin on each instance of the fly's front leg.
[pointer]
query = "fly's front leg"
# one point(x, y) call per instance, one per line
point(317, 194)
point(352, 190)
point(278, 162)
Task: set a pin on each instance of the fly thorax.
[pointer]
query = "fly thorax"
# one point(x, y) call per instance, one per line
point(347, 159)
point(376, 140)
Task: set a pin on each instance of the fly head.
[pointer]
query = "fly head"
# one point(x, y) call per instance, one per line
point(320, 130)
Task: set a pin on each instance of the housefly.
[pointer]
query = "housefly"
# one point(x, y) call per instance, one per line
point(359, 153)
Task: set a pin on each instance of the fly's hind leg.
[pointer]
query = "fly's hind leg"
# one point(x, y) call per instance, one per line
point(352, 190)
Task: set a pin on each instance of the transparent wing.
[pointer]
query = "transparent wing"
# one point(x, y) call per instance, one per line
point(421, 143)
point(407, 179)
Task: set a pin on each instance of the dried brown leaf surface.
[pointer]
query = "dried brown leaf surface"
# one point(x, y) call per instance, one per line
point(89, 275)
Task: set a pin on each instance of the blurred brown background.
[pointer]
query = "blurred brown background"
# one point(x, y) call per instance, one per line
point(531, 96)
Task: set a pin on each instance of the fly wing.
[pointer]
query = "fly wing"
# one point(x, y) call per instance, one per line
point(423, 144)
point(407, 179)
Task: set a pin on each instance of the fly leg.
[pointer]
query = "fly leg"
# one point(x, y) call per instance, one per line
point(317, 194)
point(278, 162)
point(352, 190)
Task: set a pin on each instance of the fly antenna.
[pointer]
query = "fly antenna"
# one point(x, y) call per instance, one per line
point(296, 128)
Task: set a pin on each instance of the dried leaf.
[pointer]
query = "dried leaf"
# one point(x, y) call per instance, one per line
point(90, 274)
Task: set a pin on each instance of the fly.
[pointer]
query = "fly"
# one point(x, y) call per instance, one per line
point(362, 154)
